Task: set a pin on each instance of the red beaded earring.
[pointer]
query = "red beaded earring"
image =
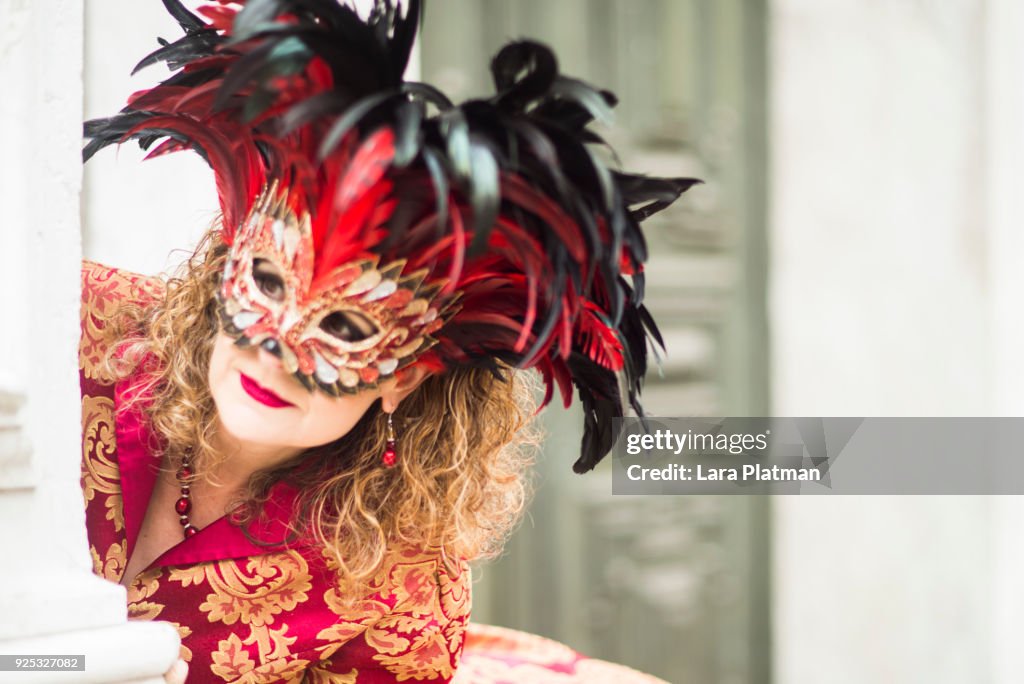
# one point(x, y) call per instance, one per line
point(390, 457)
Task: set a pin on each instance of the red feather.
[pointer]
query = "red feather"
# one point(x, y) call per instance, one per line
point(368, 166)
point(600, 343)
point(220, 18)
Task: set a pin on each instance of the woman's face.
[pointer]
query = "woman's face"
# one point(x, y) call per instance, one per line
point(261, 404)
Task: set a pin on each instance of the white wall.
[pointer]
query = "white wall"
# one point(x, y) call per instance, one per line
point(135, 214)
point(896, 279)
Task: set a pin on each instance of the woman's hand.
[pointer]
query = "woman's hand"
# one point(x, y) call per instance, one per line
point(177, 673)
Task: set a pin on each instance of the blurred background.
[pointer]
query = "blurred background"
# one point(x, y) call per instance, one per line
point(855, 250)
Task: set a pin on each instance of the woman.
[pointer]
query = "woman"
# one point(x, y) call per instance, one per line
point(235, 416)
point(294, 448)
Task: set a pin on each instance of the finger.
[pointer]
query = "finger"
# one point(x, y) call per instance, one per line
point(177, 673)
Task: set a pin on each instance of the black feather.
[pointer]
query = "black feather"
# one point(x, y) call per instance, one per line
point(188, 21)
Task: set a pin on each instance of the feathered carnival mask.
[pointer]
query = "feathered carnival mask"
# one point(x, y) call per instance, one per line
point(372, 224)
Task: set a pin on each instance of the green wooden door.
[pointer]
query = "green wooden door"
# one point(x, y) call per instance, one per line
point(675, 586)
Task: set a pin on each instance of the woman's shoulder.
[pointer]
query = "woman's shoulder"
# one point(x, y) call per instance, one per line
point(104, 287)
point(414, 577)
point(412, 585)
point(410, 566)
point(413, 621)
point(104, 291)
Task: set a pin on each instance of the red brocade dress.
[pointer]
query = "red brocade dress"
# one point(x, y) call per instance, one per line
point(260, 614)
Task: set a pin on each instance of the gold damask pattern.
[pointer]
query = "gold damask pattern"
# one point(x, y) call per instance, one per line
point(232, 663)
point(184, 632)
point(99, 469)
point(319, 674)
point(111, 565)
point(141, 589)
point(254, 595)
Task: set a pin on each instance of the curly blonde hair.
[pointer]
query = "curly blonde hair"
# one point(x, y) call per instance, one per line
point(467, 439)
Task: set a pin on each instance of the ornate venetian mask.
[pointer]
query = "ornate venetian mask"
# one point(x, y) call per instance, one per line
point(340, 331)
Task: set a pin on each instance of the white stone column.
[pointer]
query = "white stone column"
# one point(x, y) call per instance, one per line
point(50, 602)
point(896, 237)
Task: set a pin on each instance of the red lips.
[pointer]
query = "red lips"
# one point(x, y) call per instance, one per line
point(262, 394)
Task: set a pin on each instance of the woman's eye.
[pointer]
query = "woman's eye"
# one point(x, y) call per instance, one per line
point(347, 327)
point(267, 281)
point(270, 285)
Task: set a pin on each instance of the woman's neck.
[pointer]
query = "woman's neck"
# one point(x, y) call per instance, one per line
point(239, 459)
